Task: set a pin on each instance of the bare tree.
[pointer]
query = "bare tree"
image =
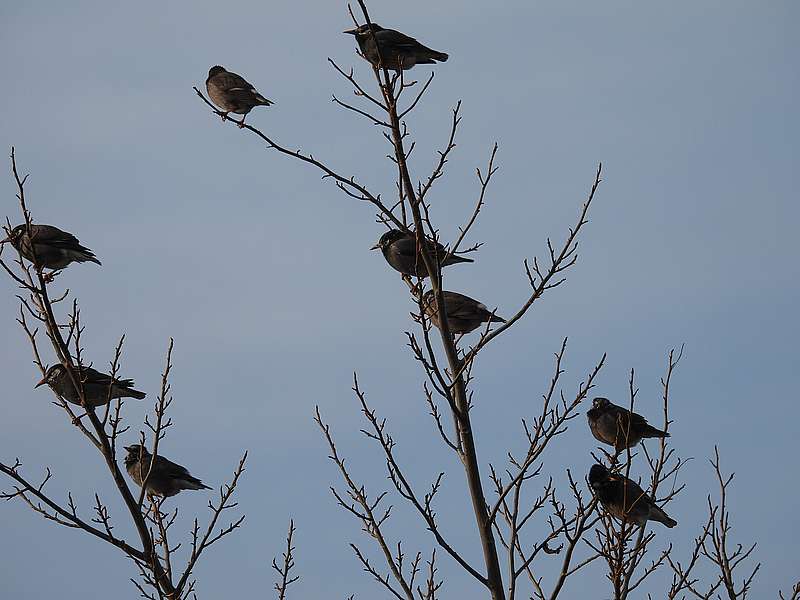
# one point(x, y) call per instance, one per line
point(525, 520)
point(504, 500)
point(159, 574)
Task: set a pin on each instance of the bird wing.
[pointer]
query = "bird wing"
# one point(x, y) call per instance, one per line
point(90, 375)
point(167, 467)
point(395, 38)
point(633, 493)
point(231, 81)
point(461, 305)
point(53, 236)
point(637, 419)
point(406, 246)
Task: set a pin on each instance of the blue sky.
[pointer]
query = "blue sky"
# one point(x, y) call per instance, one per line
point(261, 273)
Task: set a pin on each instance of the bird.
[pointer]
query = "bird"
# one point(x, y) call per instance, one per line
point(400, 251)
point(624, 499)
point(464, 314)
point(95, 386)
point(165, 477)
point(399, 51)
point(232, 93)
point(48, 246)
point(619, 427)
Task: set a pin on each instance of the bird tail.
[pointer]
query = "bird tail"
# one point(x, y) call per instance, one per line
point(656, 514)
point(84, 255)
point(458, 259)
point(129, 391)
point(652, 432)
point(496, 319)
point(193, 483)
point(440, 56)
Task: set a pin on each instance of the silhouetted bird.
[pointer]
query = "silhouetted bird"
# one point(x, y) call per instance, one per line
point(52, 247)
point(463, 313)
point(95, 386)
point(624, 499)
point(166, 478)
point(231, 93)
point(400, 251)
point(617, 426)
point(399, 51)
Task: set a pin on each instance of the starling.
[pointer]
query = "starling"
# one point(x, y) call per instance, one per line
point(624, 499)
point(95, 386)
point(399, 51)
point(166, 478)
point(231, 93)
point(400, 251)
point(51, 247)
point(463, 313)
point(619, 427)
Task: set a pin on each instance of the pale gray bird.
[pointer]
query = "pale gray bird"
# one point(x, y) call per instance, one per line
point(95, 386)
point(166, 478)
point(619, 427)
point(624, 499)
point(400, 251)
point(232, 93)
point(399, 51)
point(464, 314)
point(48, 246)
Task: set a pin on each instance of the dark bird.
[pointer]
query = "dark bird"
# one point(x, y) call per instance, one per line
point(231, 93)
point(400, 251)
point(624, 499)
point(166, 478)
point(399, 51)
point(95, 386)
point(463, 313)
point(49, 246)
point(619, 427)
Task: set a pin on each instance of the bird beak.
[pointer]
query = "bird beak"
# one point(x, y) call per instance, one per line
point(376, 247)
point(42, 382)
point(351, 31)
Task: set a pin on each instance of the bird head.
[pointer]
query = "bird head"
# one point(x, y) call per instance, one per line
point(216, 70)
point(388, 238)
point(137, 450)
point(14, 235)
point(52, 375)
point(598, 475)
point(363, 30)
point(600, 403)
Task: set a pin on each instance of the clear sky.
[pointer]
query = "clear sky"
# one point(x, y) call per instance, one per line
point(261, 271)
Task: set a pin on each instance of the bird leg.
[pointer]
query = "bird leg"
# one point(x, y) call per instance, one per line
point(223, 115)
point(241, 123)
point(50, 277)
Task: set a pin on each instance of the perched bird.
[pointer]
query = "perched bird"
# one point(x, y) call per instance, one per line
point(95, 386)
point(399, 51)
point(619, 427)
point(231, 93)
point(463, 313)
point(166, 478)
point(49, 246)
point(624, 499)
point(400, 251)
